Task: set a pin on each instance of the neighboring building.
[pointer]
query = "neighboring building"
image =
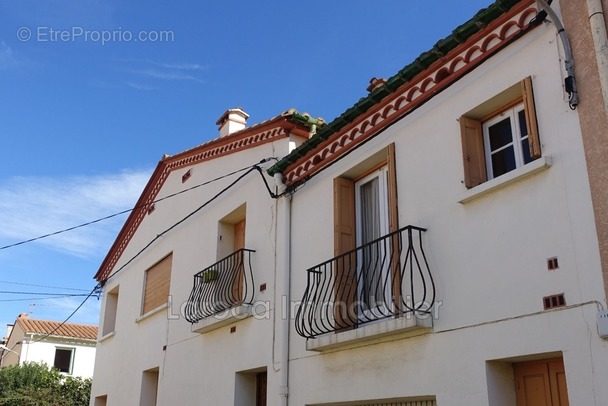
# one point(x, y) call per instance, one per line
point(440, 243)
point(69, 347)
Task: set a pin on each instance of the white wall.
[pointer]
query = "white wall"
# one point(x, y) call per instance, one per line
point(83, 361)
point(488, 256)
point(201, 366)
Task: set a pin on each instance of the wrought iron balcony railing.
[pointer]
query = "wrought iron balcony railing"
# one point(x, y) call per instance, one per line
point(387, 277)
point(221, 286)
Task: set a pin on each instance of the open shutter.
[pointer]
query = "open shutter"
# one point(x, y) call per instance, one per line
point(472, 152)
point(531, 123)
point(345, 284)
point(393, 226)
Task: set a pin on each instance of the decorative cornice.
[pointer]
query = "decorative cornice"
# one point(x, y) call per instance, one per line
point(406, 98)
point(268, 131)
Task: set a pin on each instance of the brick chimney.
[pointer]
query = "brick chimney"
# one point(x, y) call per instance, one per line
point(231, 121)
point(375, 83)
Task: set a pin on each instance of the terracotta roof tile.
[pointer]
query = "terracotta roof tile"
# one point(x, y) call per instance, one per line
point(54, 328)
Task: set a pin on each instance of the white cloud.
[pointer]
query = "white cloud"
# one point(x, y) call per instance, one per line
point(35, 206)
point(168, 75)
point(7, 59)
point(59, 309)
point(138, 86)
point(182, 66)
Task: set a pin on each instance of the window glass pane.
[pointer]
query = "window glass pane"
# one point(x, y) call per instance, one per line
point(370, 211)
point(63, 359)
point(525, 150)
point(503, 161)
point(500, 134)
point(523, 127)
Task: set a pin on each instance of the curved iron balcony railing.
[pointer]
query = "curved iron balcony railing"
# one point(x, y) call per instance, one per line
point(387, 277)
point(221, 286)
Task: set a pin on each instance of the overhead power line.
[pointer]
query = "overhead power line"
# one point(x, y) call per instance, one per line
point(43, 286)
point(88, 223)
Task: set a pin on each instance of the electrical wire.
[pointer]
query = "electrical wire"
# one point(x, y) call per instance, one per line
point(251, 169)
point(42, 286)
point(38, 298)
point(7, 292)
point(95, 291)
point(88, 223)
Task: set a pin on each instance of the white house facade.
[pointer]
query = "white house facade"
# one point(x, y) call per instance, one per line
point(69, 347)
point(440, 243)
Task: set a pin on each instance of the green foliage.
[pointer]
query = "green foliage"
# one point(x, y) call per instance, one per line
point(33, 384)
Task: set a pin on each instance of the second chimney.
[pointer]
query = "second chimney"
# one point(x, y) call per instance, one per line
point(231, 121)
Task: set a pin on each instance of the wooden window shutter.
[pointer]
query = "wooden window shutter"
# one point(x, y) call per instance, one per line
point(393, 212)
point(157, 283)
point(531, 123)
point(345, 284)
point(393, 223)
point(472, 152)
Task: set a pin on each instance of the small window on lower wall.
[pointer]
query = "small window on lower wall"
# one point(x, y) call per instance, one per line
point(64, 358)
point(101, 400)
point(500, 135)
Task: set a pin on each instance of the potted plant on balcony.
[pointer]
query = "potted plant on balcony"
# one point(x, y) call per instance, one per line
point(209, 275)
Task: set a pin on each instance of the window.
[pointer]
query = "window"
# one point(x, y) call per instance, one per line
point(109, 314)
point(101, 400)
point(231, 241)
point(541, 383)
point(156, 285)
point(371, 213)
point(365, 208)
point(149, 387)
point(500, 135)
point(251, 388)
point(64, 358)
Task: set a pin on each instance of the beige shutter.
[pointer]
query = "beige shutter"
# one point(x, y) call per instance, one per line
point(158, 279)
point(393, 224)
point(345, 285)
point(472, 152)
point(531, 123)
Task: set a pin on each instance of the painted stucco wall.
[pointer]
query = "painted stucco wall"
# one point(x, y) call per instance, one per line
point(192, 365)
point(488, 256)
point(83, 360)
point(32, 350)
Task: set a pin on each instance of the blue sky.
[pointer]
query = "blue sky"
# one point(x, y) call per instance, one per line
point(94, 92)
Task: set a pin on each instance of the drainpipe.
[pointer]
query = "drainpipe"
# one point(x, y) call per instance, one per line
point(570, 82)
point(285, 294)
point(600, 43)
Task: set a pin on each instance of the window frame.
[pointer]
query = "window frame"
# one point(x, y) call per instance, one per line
point(72, 352)
point(512, 113)
point(475, 159)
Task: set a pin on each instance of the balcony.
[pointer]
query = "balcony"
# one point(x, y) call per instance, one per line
point(386, 279)
point(222, 293)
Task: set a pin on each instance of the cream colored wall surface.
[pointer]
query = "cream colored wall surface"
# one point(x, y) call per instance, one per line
point(488, 256)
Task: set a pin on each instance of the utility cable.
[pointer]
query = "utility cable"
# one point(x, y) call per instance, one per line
point(88, 223)
point(95, 291)
point(250, 169)
point(43, 286)
point(7, 292)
